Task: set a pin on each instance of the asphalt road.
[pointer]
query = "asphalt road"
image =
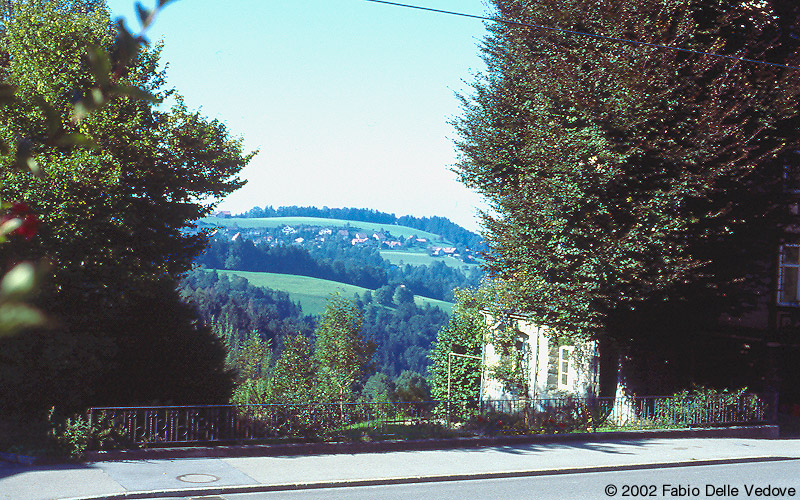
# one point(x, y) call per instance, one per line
point(746, 480)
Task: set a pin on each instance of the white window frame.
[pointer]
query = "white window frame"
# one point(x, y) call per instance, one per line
point(783, 267)
point(566, 364)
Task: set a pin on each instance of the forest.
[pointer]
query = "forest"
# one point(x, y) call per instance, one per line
point(238, 313)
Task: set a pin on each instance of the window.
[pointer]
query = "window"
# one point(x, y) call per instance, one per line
point(789, 267)
point(565, 377)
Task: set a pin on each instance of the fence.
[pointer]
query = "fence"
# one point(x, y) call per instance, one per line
point(221, 423)
point(678, 411)
point(170, 425)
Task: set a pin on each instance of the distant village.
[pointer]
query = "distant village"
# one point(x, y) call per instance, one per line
point(315, 235)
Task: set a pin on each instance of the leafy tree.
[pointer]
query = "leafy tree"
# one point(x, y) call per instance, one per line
point(463, 334)
point(412, 386)
point(402, 295)
point(384, 295)
point(294, 379)
point(378, 388)
point(633, 186)
point(114, 214)
point(341, 353)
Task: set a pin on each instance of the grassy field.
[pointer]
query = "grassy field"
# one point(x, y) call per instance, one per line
point(399, 257)
point(271, 222)
point(313, 293)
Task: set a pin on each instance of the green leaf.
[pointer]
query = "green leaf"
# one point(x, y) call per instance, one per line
point(34, 167)
point(51, 116)
point(80, 111)
point(125, 44)
point(24, 158)
point(145, 15)
point(100, 64)
point(15, 317)
point(77, 140)
point(19, 282)
point(10, 226)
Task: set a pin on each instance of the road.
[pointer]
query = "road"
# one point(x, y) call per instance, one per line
point(562, 470)
point(727, 481)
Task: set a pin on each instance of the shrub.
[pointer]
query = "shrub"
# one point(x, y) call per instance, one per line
point(75, 435)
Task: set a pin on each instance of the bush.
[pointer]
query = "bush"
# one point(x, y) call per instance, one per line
point(702, 405)
point(75, 435)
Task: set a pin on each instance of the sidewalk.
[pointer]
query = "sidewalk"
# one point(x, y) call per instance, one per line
point(154, 478)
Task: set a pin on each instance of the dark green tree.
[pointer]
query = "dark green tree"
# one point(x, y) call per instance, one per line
point(412, 386)
point(116, 213)
point(630, 185)
point(378, 388)
point(402, 295)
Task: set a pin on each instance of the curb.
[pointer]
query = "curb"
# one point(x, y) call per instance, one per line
point(294, 449)
point(264, 488)
point(16, 458)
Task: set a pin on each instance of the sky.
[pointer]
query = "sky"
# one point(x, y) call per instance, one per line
point(347, 101)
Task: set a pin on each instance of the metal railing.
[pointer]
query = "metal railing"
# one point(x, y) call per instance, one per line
point(171, 425)
point(220, 423)
point(647, 412)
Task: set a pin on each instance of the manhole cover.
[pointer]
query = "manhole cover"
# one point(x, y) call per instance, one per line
point(197, 478)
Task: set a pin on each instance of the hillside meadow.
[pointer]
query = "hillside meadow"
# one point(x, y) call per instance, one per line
point(313, 293)
point(400, 257)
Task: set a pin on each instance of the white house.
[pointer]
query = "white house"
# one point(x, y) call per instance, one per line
point(549, 368)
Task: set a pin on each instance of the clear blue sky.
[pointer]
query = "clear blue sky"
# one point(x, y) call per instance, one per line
point(347, 100)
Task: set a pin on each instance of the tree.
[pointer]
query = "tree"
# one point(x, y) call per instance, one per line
point(402, 295)
point(384, 295)
point(341, 353)
point(412, 387)
point(116, 214)
point(295, 374)
point(379, 388)
point(633, 185)
point(464, 334)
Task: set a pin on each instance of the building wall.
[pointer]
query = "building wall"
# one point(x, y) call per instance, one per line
point(551, 369)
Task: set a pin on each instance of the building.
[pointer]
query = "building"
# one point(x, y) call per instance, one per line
point(549, 368)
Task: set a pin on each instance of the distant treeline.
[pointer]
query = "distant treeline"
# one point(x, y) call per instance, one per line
point(437, 225)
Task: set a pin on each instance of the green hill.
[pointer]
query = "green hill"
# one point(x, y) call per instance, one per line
point(313, 293)
point(401, 257)
point(272, 222)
